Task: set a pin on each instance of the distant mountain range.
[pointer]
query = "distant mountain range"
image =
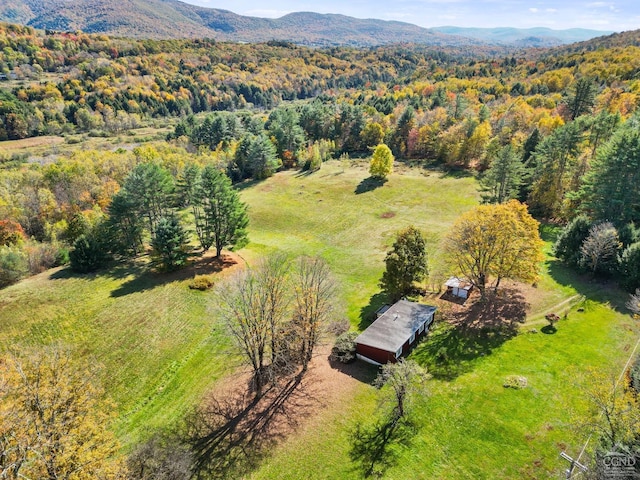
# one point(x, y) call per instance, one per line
point(526, 37)
point(175, 19)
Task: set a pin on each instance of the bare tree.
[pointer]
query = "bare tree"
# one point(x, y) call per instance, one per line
point(254, 304)
point(404, 378)
point(276, 314)
point(315, 292)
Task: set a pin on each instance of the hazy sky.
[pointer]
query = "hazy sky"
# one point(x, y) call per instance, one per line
point(616, 15)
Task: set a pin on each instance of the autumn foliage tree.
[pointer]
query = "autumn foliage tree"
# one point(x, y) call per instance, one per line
point(381, 162)
point(53, 423)
point(493, 242)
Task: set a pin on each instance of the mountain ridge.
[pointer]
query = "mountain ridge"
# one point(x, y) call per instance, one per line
point(167, 19)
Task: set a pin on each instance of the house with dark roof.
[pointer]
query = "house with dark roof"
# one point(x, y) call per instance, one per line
point(394, 332)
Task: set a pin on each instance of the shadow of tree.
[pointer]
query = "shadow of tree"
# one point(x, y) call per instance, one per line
point(456, 173)
point(146, 279)
point(369, 184)
point(599, 289)
point(548, 329)
point(362, 371)
point(230, 434)
point(374, 447)
point(368, 312)
point(113, 270)
point(471, 332)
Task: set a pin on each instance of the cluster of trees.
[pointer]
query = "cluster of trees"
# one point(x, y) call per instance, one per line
point(148, 206)
point(277, 314)
point(602, 249)
point(486, 245)
point(94, 204)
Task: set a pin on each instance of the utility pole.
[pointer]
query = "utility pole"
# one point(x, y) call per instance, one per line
point(574, 464)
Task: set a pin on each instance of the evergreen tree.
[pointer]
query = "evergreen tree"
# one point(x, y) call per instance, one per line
point(124, 226)
point(187, 184)
point(255, 158)
point(89, 253)
point(220, 216)
point(582, 99)
point(610, 190)
point(503, 179)
point(170, 244)
point(567, 246)
point(553, 159)
point(150, 188)
point(284, 126)
point(630, 267)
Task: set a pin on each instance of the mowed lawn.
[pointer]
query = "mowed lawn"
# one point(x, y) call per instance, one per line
point(161, 345)
point(337, 214)
point(470, 426)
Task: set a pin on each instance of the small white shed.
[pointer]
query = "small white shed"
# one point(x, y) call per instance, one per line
point(458, 287)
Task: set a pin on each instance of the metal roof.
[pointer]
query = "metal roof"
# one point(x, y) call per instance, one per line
point(455, 282)
point(392, 329)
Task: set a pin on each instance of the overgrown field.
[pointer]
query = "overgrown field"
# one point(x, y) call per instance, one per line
point(162, 346)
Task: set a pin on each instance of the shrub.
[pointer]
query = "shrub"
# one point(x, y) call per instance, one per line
point(201, 282)
point(338, 327)
point(13, 265)
point(344, 351)
point(515, 381)
point(552, 318)
point(42, 256)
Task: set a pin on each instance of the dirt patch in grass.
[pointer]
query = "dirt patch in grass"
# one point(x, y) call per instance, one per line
point(388, 214)
point(232, 430)
point(206, 264)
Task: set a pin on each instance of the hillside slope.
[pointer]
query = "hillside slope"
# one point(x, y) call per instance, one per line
point(174, 19)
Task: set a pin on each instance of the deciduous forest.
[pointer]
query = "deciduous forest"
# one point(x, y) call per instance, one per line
point(554, 133)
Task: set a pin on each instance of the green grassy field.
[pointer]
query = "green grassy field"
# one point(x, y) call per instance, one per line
point(162, 346)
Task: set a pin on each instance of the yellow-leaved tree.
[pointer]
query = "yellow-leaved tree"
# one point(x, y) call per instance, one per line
point(381, 162)
point(53, 423)
point(492, 242)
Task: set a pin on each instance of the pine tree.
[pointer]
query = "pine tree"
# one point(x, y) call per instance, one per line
point(170, 244)
point(503, 179)
point(221, 217)
point(610, 190)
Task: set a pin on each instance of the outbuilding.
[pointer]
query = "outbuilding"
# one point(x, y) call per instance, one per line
point(394, 332)
point(458, 287)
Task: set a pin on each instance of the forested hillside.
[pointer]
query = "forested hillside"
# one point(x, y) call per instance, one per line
point(174, 19)
point(535, 120)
